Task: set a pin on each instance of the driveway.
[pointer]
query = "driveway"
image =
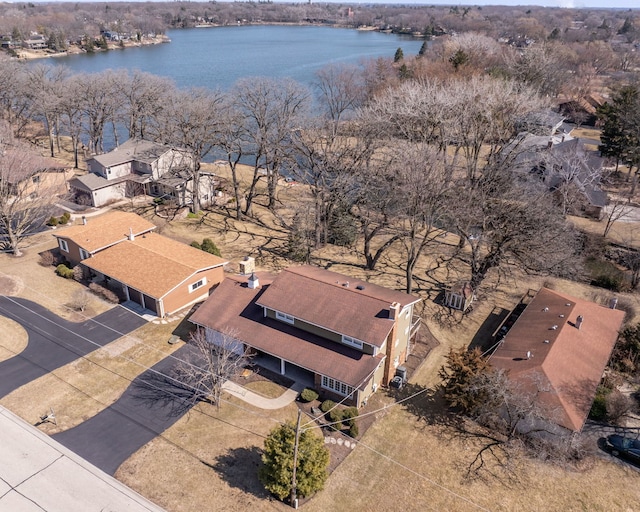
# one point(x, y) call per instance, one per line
point(149, 406)
point(54, 342)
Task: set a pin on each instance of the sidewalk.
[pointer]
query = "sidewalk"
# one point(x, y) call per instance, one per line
point(260, 401)
point(39, 474)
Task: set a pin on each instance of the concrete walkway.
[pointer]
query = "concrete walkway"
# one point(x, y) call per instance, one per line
point(260, 401)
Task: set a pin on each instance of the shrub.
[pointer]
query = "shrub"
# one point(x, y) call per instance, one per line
point(308, 395)
point(63, 271)
point(335, 417)
point(599, 407)
point(353, 429)
point(47, 259)
point(53, 221)
point(196, 245)
point(326, 405)
point(79, 300)
point(78, 273)
point(66, 216)
point(105, 293)
point(210, 247)
point(617, 405)
point(192, 215)
point(350, 414)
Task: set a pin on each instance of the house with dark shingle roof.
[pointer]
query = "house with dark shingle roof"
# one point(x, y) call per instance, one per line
point(120, 251)
point(141, 167)
point(348, 335)
point(558, 348)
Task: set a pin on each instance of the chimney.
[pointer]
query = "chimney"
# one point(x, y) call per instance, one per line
point(394, 310)
point(247, 266)
point(84, 220)
point(253, 281)
point(579, 321)
point(613, 303)
point(131, 235)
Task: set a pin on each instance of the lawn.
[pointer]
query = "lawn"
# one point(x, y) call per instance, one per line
point(406, 461)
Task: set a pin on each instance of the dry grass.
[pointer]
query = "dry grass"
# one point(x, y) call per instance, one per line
point(210, 458)
point(625, 233)
point(265, 388)
point(14, 338)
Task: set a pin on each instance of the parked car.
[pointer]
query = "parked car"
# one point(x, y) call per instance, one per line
point(620, 446)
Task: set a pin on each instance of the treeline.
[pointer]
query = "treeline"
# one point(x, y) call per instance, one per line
point(387, 162)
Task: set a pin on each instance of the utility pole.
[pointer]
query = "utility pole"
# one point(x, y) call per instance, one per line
point(294, 493)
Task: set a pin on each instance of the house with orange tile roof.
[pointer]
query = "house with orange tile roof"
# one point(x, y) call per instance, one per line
point(96, 234)
point(348, 335)
point(558, 348)
point(121, 251)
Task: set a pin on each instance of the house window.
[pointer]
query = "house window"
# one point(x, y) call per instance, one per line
point(84, 254)
point(335, 385)
point(197, 284)
point(348, 340)
point(284, 317)
point(63, 245)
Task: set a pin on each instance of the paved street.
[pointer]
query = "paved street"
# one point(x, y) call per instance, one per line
point(54, 342)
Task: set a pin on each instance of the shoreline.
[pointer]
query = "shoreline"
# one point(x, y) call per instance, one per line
point(25, 55)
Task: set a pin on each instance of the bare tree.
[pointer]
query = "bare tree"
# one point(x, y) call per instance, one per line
point(505, 221)
point(616, 211)
point(25, 200)
point(71, 113)
point(340, 91)
point(189, 120)
point(217, 357)
point(44, 89)
point(271, 111)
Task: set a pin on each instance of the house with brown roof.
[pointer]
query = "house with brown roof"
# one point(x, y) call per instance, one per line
point(141, 167)
point(96, 234)
point(348, 335)
point(120, 251)
point(25, 174)
point(557, 348)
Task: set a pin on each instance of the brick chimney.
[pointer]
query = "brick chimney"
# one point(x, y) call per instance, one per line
point(394, 309)
point(247, 266)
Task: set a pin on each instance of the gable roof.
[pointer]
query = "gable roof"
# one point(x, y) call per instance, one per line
point(105, 230)
point(233, 307)
point(19, 165)
point(567, 361)
point(335, 302)
point(133, 149)
point(152, 263)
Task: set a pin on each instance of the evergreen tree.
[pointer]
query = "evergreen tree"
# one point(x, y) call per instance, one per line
point(461, 370)
point(277, 469)
point(458, 59)
point(627, 26)
point(399, 55)
point(423, 49)
point(620, 137)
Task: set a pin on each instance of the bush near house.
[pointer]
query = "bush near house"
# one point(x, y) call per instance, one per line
point(63, 271)
point(308, 395)
point(207, 245)
point(105, 293)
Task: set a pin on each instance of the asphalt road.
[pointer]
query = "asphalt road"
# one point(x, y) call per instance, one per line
point(149, 406)
point(54, 342)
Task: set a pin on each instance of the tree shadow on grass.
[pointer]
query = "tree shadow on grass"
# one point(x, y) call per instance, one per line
point(428, 405)
point(239, 468)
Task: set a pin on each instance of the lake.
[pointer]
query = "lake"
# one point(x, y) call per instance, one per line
point(216, 57)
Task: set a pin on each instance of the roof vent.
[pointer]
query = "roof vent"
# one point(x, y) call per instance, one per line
point(579, 321)
point(554, 327)
point(561, 316)
point(546, 341)
point(529, 354)
point(568, 304)
point(545, 309)
point(346, 284)
point(360, 287)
